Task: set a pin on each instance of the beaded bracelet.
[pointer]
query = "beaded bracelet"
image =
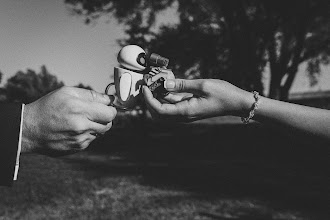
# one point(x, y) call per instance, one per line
point(253, 108)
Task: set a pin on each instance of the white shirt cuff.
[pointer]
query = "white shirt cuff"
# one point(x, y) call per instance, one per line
point(19, 145)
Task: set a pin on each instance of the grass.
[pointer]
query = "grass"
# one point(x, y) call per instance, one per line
point(163, 178)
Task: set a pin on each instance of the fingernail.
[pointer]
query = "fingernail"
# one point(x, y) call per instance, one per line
point(169, 84)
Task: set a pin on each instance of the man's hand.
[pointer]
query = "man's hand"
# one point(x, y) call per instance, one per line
point(65, 121)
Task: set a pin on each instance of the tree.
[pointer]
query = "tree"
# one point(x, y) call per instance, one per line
point(82, 86)
point(1, 76)
point(3, 96)
point(28, 87)
point(232, 40)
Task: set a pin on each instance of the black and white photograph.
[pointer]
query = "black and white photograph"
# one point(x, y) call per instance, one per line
point(169, 109)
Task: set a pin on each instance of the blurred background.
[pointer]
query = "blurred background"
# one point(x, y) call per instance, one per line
point(141, 169)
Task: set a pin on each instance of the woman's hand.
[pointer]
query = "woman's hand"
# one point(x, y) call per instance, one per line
point(208, 98)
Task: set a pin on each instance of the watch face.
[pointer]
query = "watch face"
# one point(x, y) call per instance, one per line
point(141, 59)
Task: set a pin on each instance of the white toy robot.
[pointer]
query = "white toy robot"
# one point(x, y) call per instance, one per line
point(136, 68)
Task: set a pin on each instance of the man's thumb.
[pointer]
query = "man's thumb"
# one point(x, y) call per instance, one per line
point(183, 85)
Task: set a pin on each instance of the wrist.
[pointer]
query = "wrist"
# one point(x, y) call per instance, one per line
point(254, 107)
point(245, 104)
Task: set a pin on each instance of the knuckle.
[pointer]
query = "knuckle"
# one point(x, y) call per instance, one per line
point(78, 126)
point(180, 85)
point(78, 140)
point(162, 111)
point(113, 112)
point(65, 89)
point(204, 85)
point(93, 94)
point(187, 112)
point(85, 145)
point(108, 127)
point(76, 144)
point(109, 114)
point(81, 145)
point(74, 106)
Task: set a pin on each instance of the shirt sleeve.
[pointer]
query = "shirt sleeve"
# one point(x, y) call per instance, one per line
point(19, 144)
point(10, 131)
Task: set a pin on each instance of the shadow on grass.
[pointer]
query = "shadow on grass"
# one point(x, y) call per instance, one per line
point(227, 161)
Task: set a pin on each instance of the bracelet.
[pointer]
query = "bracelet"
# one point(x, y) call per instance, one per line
point(253, 108)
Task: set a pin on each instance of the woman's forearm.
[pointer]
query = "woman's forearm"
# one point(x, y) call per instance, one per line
point(218, 98)
point(295, 118)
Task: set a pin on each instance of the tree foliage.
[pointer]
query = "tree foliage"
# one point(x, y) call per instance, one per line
point(232, 40)
point(1, 76)
point(28, 86)
point(82, 86)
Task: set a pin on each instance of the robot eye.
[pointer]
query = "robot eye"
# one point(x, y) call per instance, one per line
point(141, 59)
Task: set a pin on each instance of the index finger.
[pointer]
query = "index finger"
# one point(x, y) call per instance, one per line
point(163, 109)
point(101, 113)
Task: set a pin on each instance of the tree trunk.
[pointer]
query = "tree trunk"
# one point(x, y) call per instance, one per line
point(284, 94)
point(279, 93)
point(275, 86)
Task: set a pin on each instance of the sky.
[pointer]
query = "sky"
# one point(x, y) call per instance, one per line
point(43, 32)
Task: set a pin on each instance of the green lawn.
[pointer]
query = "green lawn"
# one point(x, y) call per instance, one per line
point(122, 185)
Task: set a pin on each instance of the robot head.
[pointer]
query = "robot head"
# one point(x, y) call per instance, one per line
point(132, 57)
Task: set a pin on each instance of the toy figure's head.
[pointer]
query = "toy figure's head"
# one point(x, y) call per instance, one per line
point(132, 57)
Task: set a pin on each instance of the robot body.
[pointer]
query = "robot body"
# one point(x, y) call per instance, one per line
point(127, 86)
